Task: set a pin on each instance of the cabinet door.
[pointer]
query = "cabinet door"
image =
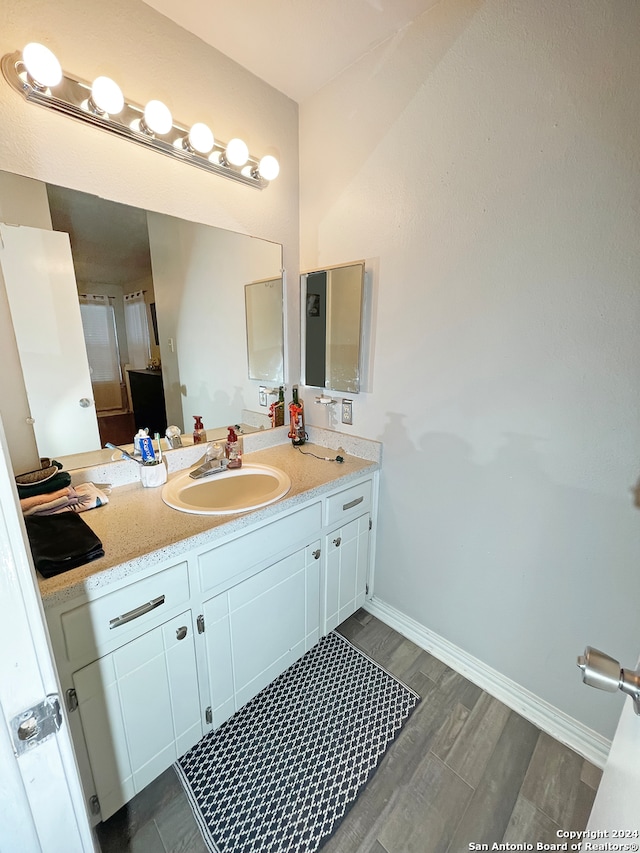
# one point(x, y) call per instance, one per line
point(219, 658)
point(347, 558)
point(257, 629)
point(140, 710)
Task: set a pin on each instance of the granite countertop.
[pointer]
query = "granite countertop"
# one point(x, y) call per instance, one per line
point(138, 529)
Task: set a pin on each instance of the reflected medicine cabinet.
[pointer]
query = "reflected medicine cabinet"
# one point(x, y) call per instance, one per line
point(332, 327)
point(265, 335)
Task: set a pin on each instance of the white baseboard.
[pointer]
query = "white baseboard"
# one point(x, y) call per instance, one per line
point(587, 743)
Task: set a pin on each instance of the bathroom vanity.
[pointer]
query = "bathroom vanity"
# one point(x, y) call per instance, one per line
point(187, 617)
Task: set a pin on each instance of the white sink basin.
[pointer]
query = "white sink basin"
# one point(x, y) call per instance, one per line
point(236, 490)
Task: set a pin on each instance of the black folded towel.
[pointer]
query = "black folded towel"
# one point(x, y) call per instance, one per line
point(61, 542)
point(58, 481)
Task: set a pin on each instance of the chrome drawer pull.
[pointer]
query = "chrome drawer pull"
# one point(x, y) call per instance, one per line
point(139, 611)
point(353, 503)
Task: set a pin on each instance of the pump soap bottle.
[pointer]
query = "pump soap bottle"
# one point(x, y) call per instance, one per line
point(233, 449)
point(199, 434)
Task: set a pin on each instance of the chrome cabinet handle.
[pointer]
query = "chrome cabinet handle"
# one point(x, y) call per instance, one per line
point(181, 633)
point(316, 554)
point(337, 541)
point(138, 611)
point(353, 503)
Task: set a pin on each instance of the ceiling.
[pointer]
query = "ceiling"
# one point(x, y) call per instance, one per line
point(109, 241)
point(316, 38)
point(297, 46)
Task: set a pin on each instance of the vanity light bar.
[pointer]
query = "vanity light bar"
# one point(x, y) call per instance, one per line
point(151, 126)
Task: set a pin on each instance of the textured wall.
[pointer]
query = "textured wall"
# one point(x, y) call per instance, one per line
point(486, 162)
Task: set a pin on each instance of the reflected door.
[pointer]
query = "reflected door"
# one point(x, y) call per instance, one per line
point(43, 299)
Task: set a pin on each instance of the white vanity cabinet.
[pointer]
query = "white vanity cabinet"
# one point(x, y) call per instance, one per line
point(261, 606)
point(347, 551)
point(140, 710)
point(128, 667)
point(259, 627)
point(150, 662)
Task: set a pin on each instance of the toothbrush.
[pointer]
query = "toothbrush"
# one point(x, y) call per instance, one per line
point(124, 452)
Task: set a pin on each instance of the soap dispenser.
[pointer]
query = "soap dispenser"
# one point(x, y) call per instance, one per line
point(233, 449)
point(199, 434)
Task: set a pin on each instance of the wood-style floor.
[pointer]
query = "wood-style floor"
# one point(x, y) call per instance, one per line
point(465, 770)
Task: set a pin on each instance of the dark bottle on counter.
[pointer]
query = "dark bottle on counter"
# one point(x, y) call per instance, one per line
point(279, 408)
point(297, 432)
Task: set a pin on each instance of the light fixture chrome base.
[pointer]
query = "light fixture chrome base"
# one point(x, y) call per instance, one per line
point(72, 98)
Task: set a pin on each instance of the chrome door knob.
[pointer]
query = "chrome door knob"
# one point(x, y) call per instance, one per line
point(601, 671)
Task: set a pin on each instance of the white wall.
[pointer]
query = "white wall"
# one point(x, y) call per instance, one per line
point(199, 276)
point(486, 162)
point(151, 57)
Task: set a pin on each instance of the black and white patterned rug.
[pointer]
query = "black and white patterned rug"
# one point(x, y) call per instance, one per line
point(283, 771)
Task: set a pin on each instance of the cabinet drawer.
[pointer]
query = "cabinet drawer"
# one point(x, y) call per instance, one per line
point(350, 502)
point(122, 615)
point(223, 563)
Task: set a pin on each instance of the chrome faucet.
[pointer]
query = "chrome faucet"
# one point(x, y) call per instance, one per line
point(213, 462)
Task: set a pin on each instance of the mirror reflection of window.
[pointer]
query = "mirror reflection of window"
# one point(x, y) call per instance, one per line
point(99, 327)
point(137, 323)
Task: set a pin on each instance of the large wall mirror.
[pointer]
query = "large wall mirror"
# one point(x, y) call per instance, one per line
point(162, 310)
point(332, 327)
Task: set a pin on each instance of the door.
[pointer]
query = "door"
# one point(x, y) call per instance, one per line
point(45, 310)
point(616, 809)
point(41, 803)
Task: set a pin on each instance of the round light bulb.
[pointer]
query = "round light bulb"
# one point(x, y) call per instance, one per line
point(237, 152)
point(107, 96)
point(269, 168)
point(41, 64)
point(201, 138)
point(157, 117)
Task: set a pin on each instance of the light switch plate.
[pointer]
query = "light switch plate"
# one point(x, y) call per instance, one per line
point(347, 412)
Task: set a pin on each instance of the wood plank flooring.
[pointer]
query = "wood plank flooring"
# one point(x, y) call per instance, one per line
point(465, 770)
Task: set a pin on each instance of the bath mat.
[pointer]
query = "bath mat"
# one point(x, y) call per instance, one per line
point(282, 772)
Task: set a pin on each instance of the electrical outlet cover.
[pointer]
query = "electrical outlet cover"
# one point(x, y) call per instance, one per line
point(347, 412)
